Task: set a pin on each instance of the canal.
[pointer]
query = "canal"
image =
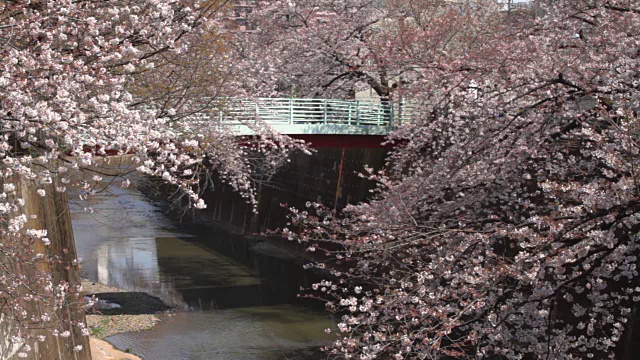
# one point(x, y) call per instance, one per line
point(233, 301)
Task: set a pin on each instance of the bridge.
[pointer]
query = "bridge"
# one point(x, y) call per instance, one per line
point(292, 116)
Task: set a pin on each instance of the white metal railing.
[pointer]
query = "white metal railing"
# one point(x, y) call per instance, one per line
point(315, 111)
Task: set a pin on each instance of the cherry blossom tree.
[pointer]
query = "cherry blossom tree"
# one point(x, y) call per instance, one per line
point(312, 48)
point(86, 86)
point(318, 48)
point(507, 222)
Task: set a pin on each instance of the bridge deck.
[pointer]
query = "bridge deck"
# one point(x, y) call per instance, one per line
point(316, 116)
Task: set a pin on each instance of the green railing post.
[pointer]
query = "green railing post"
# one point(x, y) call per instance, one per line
point(290, 111)
point(357, 112)
point(391, 115)
point(349, 117)
point(325, 111)
point(257, 113)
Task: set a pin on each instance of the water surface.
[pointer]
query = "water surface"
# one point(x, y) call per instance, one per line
point(232, 304)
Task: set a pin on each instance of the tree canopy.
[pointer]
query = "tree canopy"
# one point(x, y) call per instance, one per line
point(86, 84)
point(506, 225)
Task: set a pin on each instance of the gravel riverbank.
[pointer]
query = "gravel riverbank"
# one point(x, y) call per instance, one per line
point(137, 311)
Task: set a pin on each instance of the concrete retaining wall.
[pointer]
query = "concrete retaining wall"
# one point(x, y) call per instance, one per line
point(52, 215)
point(330, 176)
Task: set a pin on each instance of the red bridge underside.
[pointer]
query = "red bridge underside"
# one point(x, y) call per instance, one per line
point(315, 141)
point(343, 141)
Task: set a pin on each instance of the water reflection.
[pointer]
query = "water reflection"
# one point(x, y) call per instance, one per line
point(123, 225)
point(178, 271)
point(130, 259)
point(245, 303)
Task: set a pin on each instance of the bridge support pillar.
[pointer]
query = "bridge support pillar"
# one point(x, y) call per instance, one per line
point(339, 182)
